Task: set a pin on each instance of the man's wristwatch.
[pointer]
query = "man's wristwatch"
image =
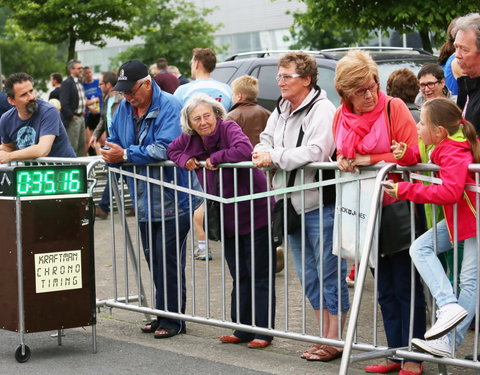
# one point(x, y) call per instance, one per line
point(125, 156)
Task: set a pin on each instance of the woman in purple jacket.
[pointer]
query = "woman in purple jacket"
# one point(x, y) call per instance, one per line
point(206, 136)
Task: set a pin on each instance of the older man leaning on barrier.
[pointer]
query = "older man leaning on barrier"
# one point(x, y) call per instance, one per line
point(32, 128)
point(143, 126)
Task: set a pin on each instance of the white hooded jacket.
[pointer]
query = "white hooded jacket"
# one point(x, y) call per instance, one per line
point(315, 116)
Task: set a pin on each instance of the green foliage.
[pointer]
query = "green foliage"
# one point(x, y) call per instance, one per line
point(363, 16)
point(57, 21)
point(17, 54)
point(35, 58)
point(171, 29)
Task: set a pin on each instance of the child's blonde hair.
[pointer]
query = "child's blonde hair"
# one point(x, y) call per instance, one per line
point(444, 112)
point(247, 86)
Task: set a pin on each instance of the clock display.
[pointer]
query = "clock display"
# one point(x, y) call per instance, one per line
point(50, 180)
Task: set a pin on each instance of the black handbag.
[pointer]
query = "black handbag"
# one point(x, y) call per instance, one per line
point(213, 215)
point(213, 218)
point(293, 219)
point(395, 229)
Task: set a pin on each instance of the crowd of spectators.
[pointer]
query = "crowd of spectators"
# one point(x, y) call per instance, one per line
point(142, 115)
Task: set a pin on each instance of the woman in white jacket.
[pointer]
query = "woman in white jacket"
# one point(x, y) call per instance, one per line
point(303, 106)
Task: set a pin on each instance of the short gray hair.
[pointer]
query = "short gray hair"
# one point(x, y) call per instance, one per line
point(193, 103)
point(72, 63)
point(469, 22)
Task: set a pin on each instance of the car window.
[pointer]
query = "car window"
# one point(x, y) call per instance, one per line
point(385, 68)
point(224, 73)
point(268, 91)
point(325, 81)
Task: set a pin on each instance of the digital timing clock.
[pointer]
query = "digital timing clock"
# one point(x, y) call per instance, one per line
point(43, 180)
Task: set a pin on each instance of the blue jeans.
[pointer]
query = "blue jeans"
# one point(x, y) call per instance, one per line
point(166, 296)
point(432, 272)
point(263, 288)
point(313, 262)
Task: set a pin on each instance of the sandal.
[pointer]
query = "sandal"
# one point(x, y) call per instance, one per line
point(168, 333)
point(324, 354)
point(313, 349)
point(150, 327)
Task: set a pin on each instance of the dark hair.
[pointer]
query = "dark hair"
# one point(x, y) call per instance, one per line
point(207, 57)
point(15, 78)
point(162, 63)
point(433, 69)
point(57, 77)
point(444, 112)
point(447, 49)
point(109, 77)
point(403, 84)
point(305, 65)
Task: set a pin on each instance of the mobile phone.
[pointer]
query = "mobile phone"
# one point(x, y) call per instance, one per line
point(388, 184)
point(106, 147)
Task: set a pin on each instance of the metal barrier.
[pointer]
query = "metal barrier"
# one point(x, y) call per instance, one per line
point(207, 281)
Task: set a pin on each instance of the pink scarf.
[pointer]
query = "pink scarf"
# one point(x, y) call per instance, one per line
point(358, 126)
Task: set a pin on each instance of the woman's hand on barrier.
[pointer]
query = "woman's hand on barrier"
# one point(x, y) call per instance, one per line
point(192, 164)
point(398, 149)
point(345, 164)
point(209, 165)
point(261, 159)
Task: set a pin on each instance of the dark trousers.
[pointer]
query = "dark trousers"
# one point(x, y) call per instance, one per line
point(104, 203)
point(166, 297)
point(394, 284)
point(243, 284)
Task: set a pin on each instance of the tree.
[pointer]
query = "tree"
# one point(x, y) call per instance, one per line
point(35, 58)
point(57, 21)
point(363, 16)
point(171, 29)
point(38, 59)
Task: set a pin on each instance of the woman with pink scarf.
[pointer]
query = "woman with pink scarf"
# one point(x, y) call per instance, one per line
point(364, 127)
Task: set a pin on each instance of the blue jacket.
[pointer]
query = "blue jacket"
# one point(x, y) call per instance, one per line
point(160, 127)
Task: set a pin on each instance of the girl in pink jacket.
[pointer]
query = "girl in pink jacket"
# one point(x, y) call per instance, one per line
point(456, 147)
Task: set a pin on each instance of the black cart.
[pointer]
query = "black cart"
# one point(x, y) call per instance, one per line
point(47, 278)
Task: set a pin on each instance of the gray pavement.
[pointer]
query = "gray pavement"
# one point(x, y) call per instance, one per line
point(122, 348)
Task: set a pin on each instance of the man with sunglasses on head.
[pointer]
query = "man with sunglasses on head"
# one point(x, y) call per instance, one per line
point(143, 126)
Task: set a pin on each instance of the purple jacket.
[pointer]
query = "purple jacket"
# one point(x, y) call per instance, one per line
point(228, 144)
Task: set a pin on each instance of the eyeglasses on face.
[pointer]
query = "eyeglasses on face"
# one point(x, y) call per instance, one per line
point(133, 92)
point(372, 88)
point(286, 77)
point(430, 85)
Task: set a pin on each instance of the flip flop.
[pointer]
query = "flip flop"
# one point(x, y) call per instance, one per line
point(150, 327)
point(169, 333)
point(313, 349)
point(324, 354)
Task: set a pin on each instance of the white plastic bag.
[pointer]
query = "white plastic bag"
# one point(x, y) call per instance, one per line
point(352, 211)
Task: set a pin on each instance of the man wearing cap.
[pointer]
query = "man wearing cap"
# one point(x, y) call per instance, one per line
point(145, 123)
point(32, 128)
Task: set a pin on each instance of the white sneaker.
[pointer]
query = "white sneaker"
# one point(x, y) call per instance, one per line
point(448, 317)
point(440, 347)
point(199, 254)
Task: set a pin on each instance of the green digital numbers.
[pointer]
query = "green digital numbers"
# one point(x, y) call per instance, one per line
point(48, 181)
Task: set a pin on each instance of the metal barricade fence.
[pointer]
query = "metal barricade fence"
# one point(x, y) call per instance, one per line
point(208, 283)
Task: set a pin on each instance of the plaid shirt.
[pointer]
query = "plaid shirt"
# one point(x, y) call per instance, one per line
point(81, 96)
